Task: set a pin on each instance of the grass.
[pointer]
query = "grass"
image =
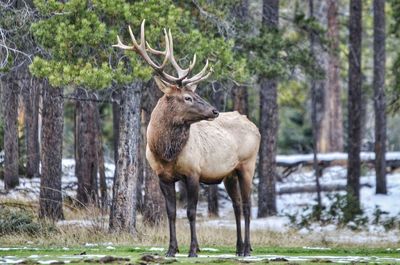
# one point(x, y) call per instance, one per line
point(136, 254)
point(70, 240)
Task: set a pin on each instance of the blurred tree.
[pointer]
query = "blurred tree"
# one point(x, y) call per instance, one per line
point(334, 103)
point(153, 201)
point(379, 95)
point(318, 87)
point(355, 109)
point(268, 123)
point(242, 23)
point(86, 148)
point(10, 113)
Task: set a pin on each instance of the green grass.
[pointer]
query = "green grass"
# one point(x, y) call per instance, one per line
point(135, 255)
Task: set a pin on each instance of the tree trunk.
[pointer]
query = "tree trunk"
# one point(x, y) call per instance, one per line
point(116, 109)
point(317, 102)
point(10, 114)
point(268, 126)
point(154, 204)
point(31, 95)
point(334, 104)
point(379, 95)
point(30, 88)
point(240, 99)
point(123, 209)
point(51, 156)
point(86, 164)
point(100, 162)
point(355, 108)
point(141, 169)
point(218, 99)
point(239, 92)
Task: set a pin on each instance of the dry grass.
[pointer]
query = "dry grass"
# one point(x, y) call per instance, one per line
point(95, 230)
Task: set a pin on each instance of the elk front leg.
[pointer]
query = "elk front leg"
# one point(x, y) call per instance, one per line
point(168, 190)
point(232, 187)
point(245, 178)
point(192, 186)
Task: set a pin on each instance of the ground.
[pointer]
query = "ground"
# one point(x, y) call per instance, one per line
point(108, 253)
point(80, 238)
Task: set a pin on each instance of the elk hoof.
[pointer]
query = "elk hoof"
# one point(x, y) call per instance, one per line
point(247, 251)
point(171, 252)
point(192, 255)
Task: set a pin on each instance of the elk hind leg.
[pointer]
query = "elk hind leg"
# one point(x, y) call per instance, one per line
point(245, 176)
point(232, 187)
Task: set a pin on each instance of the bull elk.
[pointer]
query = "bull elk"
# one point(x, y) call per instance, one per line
point(189, 140)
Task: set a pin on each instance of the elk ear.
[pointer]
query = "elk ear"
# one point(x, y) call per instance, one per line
point(164, 86)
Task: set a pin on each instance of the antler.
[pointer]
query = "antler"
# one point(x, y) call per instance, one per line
point(144, 46)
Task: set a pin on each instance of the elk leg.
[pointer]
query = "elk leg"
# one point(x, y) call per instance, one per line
point(168, 190)
point(245, 178)
point(192, 186)
point(231, 185)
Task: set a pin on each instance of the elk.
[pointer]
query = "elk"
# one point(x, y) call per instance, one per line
point(189, 140)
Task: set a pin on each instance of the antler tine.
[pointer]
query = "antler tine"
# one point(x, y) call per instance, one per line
point(182, 73)
point(199, 80)
point(141, 48)
point(123, 46)
point(197, 76)
point(191, 66)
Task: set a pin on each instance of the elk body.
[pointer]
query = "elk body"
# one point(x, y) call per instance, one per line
point(189, 140)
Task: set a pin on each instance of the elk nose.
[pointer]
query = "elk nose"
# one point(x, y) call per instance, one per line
point(215, 112)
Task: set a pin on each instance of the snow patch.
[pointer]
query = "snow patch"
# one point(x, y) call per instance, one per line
point(210, 249)
point(156, 249)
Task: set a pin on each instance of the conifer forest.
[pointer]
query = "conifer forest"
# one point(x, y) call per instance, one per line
point(198, 131)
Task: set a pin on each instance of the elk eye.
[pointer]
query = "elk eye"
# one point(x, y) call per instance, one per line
point(188, 98)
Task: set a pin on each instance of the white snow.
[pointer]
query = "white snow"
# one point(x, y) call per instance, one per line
point(210, 249)
point(286, 203)
point(156, 249)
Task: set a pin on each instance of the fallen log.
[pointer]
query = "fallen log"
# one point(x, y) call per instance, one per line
point(312, 188)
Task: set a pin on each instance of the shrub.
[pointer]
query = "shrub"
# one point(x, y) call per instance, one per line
point(21, 221)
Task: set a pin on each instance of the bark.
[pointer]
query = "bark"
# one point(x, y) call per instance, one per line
point(116, 108)
point(51, 156)
point(334, 104)
point(317, 102)
point(379, 95)
point(218, 99)
point(123, 209)
point(10, 114)
point(240, 100)
point(31, 96)
point(239, 92)
point(86, 162)
point(101, 162)
point(140, 181)
point(355, 108)
point(154, 204)
point(268, 127)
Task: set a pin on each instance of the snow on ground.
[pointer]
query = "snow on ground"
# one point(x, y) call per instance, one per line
point(286, 203)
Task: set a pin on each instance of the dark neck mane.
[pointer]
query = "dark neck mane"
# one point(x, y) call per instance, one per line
point(168, 136)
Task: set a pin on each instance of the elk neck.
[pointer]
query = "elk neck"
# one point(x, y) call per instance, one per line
point(167, 132)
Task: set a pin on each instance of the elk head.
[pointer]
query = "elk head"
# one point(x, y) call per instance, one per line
point(180, 98)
